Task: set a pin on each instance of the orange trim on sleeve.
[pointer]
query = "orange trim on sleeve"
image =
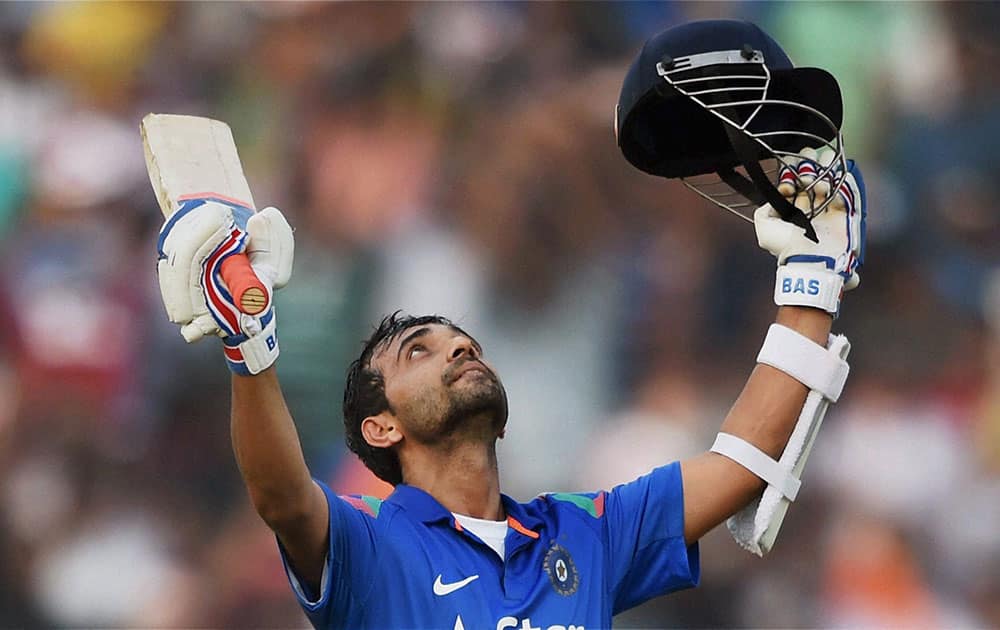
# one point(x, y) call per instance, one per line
point(521, 528)
point(599, 504)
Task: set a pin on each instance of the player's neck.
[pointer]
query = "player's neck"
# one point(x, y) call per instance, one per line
point(462, 477)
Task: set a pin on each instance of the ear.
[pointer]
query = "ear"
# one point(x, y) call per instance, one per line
point(382, 430)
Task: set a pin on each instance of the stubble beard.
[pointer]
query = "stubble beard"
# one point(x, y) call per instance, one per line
point(476, 409)
point(470, 408)
point(474, 405)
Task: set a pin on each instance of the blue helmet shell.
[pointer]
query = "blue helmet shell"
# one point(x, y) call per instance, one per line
point(663, 132)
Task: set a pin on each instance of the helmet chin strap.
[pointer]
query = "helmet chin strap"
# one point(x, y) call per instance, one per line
point(759, 189)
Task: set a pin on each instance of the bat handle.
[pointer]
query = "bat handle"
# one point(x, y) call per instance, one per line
point(248, 291)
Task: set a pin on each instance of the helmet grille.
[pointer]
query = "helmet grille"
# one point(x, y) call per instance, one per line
point(735, 87)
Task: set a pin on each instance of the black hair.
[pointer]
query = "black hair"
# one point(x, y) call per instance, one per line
point(364, 393)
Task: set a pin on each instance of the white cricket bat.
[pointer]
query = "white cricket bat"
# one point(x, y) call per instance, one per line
point(191, 157)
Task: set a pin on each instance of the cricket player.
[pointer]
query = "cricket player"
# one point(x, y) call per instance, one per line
point(423, 409)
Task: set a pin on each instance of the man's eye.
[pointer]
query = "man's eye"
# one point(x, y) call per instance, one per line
point(414, 349)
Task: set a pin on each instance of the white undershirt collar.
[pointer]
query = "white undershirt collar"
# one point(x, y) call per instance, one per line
point(493, 533)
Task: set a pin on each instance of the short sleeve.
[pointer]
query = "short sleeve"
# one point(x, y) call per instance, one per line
point(349, 565)
point(647, 554)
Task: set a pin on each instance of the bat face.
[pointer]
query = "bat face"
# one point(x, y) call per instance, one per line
point(193, 158)
point(190, 157)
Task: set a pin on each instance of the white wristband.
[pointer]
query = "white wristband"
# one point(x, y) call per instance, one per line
point(758, 462)
point(260, 351)
point(253, 354)
point(804, 360)
point(800, 284)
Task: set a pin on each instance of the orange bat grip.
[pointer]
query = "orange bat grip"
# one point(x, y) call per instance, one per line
point(248, 292)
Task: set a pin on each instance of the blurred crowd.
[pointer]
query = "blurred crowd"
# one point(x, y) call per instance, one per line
point(459, 158)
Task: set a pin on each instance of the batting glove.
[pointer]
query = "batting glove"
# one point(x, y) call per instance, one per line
point(816, 274)
point(192, 246)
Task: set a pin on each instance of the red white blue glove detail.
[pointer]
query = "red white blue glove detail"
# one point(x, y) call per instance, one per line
point(255, 348)
point(192, 246)
point(817, 274)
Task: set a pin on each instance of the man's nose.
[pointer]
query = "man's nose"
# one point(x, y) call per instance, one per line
point(463, 347)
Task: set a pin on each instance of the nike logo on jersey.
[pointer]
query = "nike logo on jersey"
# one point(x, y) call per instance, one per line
point(440, 588)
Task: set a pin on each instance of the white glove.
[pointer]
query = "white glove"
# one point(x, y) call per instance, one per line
point(193, 244)
point(816, 274)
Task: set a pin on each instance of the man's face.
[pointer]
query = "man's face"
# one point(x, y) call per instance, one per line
point(437, 385)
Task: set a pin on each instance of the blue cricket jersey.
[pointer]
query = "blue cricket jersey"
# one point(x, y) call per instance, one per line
point(572, 560)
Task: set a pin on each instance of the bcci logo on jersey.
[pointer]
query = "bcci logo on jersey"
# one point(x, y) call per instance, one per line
point(562, 571)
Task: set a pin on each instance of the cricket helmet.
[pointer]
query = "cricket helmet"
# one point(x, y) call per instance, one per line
point(719, 105)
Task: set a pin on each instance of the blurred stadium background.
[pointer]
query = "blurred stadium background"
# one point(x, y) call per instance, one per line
point(459, 158)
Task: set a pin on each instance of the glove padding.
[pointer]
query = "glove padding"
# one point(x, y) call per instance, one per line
point(816, 274)
point(193, 244)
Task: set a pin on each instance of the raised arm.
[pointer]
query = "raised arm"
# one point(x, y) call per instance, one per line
point(811, 278)
point(192, 250)
point(716, 487)
point(270, 458)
